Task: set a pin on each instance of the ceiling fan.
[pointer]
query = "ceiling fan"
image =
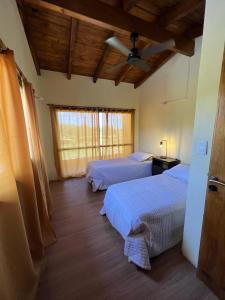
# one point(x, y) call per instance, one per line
point(135, 56)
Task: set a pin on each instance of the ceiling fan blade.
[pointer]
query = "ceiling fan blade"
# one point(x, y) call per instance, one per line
point(116, 43)
point(157, 48)
point(141, 64)
point(115, 67)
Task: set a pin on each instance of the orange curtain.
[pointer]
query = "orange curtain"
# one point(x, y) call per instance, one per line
point(40, 174)
point(76, 140)
point(81, 136)
point(22, 224)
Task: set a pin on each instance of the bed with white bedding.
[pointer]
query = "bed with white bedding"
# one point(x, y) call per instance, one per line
point(148, 213)
point(103, 173)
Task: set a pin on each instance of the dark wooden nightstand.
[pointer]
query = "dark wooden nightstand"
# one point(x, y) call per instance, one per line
point(161, 164)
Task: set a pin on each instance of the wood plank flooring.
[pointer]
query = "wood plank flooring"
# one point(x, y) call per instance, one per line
point(87, 262)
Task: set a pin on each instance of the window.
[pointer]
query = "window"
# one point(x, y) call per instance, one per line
point(116, 137)
point(84, 135)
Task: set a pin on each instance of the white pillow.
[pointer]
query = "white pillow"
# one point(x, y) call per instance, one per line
point(140, 156)
point(180, 172)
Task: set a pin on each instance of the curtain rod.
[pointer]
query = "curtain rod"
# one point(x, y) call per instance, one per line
point(3, 49)
point(93, 108)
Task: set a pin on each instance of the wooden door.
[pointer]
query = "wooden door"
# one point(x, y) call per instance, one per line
point(211, 267)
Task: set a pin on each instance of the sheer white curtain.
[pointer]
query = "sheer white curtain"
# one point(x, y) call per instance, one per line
point(83, 135)
point(76, 135)
point(116, 134)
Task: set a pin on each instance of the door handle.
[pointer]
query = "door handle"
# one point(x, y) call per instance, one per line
point(214, 179)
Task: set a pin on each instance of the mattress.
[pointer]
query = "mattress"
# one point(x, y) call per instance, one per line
point(149, 215)
point(103, 173)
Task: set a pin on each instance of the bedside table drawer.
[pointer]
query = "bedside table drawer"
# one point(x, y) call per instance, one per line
point(156, 170)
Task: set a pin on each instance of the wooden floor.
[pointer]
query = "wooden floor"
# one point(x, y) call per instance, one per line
point(87, 262)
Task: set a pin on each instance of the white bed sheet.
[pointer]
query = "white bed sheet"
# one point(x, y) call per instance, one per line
point(148, 213)
point(103, 173)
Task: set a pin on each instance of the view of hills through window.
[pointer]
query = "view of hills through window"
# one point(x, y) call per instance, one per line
point(85, 135)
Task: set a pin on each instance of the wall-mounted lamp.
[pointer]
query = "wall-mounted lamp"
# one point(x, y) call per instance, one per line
point(162, 142)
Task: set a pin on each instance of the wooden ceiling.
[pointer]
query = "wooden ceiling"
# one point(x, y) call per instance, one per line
point(69, 36)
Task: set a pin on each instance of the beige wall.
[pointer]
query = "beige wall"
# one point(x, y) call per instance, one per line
point(176, 84)
point(80, 90)
point(12, 34)
point(206, 108)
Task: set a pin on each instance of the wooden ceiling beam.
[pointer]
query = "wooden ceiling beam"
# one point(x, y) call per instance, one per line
point(20, 4)
point(178, 11)
point(114, 19)
point(164, 58)
point(73, 38)
point(174, 13)
point(129, 4)
point(102, 60)
point(194, 31)
point(123, 74)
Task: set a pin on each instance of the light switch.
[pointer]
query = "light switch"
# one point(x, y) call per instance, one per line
point(202, 147)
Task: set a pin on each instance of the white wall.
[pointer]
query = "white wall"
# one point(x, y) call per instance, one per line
point(80, 90)
point(12, 34)
point(176, 84)
point(206, 108)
